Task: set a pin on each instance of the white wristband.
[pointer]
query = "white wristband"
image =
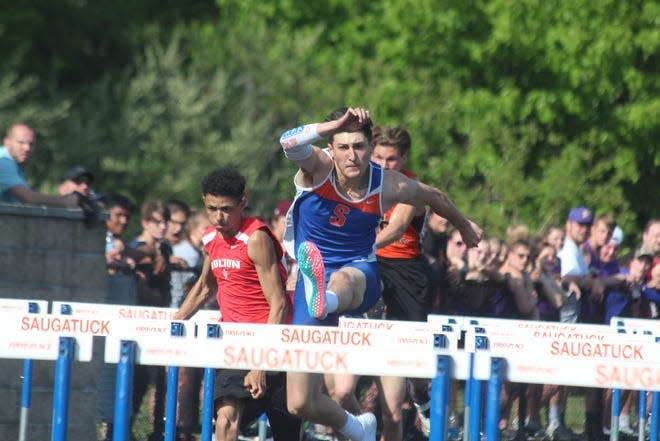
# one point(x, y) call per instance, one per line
point(299, 136)
point(298, 152)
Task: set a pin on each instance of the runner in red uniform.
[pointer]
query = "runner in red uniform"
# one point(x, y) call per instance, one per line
point(244, 267)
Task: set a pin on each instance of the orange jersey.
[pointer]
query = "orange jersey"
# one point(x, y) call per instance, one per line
point(409, 244)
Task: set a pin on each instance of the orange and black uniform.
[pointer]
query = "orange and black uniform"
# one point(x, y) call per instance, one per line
point(404, 272)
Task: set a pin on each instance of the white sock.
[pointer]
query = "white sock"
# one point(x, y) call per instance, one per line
point(624, 420)
point(352, 429)
point(331, 301)
point(553, 416)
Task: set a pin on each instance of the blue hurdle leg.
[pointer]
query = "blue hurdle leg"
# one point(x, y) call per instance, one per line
point(616, 411)
point(61, 389)
point(641, 416)
point(124, 391)
point(492, 423)
point(655, 409)
point(25, 399)
point(207, 406)
point(440, 390)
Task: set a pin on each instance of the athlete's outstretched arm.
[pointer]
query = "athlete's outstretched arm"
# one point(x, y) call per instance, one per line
point(398, 188)
point(199, 293)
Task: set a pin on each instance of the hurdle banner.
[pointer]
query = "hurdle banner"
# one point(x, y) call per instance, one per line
point(377, 351)
point(128, 312)
point(282, 348)
point(589, 356)
point(61, 347)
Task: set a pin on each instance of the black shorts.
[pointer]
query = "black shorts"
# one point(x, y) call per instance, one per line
point(284, 426)
point(406, 288)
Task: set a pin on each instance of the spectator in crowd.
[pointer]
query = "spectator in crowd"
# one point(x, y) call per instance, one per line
point(19, 146)
point(599, 235)
point(184, 256)
point(120, 209)
point(651, 292)
point(449, 293)
point(340, 198)
point(495, 251)
point(435, 237)
point(516, 298)
point(77, 179)
point(574, 268)
point(120, 290)
point(624, 292)
point(152, 254)
point(576, 277)
point(551, 298)
point(277, 225)
point(555, 236)
point(252, 292)
point(592, 308)
point(185, 264)
point(516, 233)
point(651, 238)
point(434, 248)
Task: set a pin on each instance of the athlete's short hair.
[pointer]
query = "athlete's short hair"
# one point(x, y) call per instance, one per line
point(224, 182)
point(338, 113)
point(397, 137)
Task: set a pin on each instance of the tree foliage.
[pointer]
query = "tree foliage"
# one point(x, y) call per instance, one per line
point(518, 109)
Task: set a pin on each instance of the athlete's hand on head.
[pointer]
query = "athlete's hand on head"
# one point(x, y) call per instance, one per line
point(255, 383)
point(354, 119)
point(471, 234)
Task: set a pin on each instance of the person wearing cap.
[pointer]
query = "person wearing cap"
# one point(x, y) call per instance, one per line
point(76, 179)
point(573, 265)
point(623, 297)
point(577, 280)
point(19, 145)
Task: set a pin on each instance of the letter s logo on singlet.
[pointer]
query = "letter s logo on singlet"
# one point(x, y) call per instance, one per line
point(339, 217)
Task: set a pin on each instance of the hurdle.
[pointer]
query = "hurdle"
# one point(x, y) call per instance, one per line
point(280, 347)
point(501, 350)
point(574, 355)
point(31, 307)
point(135, 320)
point(63, 348)
point(646, 327)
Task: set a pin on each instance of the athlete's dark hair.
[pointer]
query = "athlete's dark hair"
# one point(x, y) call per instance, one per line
point(224, 182)
point(338, 113)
